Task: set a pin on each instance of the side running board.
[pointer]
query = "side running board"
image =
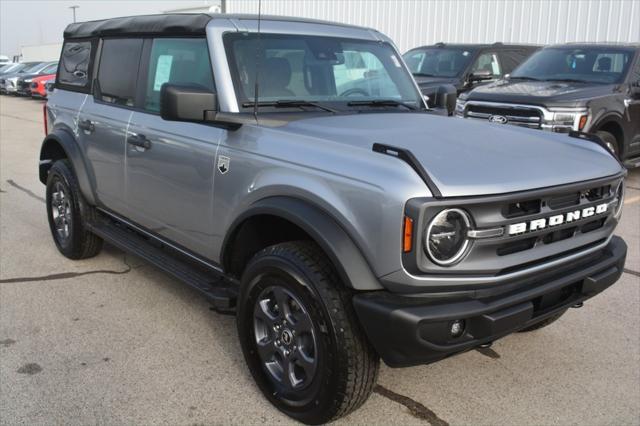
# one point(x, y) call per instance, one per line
point(221, 292)
point(408, 157)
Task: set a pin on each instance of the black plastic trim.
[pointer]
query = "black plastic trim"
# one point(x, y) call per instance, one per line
point(408, 157)
point(408, 331)
point(352, 267)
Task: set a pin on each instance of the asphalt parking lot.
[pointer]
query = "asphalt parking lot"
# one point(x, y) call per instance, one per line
point(112, 340)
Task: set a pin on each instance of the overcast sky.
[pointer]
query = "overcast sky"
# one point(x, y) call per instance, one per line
point(26, 22)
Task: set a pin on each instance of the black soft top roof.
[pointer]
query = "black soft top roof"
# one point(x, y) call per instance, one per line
point(166, 24)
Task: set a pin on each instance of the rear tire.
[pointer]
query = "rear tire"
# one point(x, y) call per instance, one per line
point(543, 323)
point(68, 213)
point(291, 289)
point(610, 142)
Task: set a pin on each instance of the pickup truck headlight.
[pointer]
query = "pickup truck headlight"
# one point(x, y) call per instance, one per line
point(460, 107)
point(565, 121)
point(446, 240)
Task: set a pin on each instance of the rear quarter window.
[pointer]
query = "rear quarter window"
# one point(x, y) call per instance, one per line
point(75, 63)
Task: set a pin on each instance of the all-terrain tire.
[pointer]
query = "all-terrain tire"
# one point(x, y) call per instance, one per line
point(68, 214)
point(347, 365)
point(610, 141)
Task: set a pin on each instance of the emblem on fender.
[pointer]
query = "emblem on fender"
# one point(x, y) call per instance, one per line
point(559, 219)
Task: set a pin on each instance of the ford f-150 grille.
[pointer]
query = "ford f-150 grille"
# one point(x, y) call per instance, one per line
point(526, 117)
point(527, 228)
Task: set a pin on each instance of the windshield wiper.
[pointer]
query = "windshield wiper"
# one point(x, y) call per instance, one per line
point(291, 104)
point(524, 77)
point(567, 80)
point(381, 103)
point(423, 74)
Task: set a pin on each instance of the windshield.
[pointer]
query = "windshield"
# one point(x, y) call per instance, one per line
point(51, 69)
point(592, 65)
point(12, 68)
point(32, 67)
point(438, 62)
point(317, 69)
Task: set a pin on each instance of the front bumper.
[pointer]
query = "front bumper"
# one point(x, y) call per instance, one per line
point(410, 330)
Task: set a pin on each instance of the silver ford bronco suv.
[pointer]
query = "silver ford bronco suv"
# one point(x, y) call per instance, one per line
point(289, 171)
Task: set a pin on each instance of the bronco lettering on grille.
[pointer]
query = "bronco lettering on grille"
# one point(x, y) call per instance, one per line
point(537, 224)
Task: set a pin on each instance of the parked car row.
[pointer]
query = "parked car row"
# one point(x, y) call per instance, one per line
point(590, 88)
point(27, 78)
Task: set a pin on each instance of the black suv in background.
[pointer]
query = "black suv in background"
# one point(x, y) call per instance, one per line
point(593, 88)
point(464, 66)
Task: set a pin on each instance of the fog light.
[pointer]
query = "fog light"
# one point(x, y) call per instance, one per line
point(457, 328)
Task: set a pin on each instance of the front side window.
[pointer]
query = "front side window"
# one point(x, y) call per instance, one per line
point(317, 69)
point(118, 71)
point(438, 62)
point(487, 62)
point(589, 65)
point(177, 61)
point(74, 63)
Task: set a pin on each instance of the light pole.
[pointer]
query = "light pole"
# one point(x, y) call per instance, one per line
point(74, 12)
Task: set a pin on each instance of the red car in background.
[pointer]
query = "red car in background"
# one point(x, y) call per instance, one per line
point(38, 85)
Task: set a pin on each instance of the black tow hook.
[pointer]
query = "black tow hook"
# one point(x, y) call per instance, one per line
point(486, 345)
point(578, 305)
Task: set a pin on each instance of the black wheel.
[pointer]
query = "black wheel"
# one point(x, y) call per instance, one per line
point(68, 212)
point(542, 324)
point(610, 141)
point(300, 336)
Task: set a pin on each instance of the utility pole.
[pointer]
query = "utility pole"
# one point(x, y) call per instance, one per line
point(74, 12)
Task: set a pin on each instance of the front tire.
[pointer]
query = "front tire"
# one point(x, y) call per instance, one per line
point(300, 337)
point(68, 213)
point(610, 142)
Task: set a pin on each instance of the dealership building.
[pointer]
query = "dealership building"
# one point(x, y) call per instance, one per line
point(412, 23)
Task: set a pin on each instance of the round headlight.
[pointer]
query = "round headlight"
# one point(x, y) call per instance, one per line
point(446, 238)
point(620, 196)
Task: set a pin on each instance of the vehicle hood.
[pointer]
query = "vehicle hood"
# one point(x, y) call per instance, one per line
point(438, 81)
point(43, 77)
point(548, 93)
point(468, 157)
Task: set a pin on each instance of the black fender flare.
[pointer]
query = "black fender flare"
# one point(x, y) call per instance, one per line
point(611, 117)
point(351, 266)
point(65, 140)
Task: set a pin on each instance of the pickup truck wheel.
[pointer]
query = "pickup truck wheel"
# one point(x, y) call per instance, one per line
point(300, 337)
point(543, 323)
point(68, 212)
point(610, 141)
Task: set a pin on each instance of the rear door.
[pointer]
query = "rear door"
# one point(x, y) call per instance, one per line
point(103, 120)
point(169, 183)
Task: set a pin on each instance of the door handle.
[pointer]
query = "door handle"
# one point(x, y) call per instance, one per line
point(137, 139)
point(86, 125)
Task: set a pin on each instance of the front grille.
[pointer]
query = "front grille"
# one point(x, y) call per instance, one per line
point(23, 84)
point(520, 116)
point(519, 249)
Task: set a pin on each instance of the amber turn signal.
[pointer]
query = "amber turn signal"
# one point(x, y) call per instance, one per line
point(583, 122)
point(407, 240)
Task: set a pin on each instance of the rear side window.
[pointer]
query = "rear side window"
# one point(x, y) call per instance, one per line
point(74, 65)
point(177, 61)
point(510, 59)
point(118, 71)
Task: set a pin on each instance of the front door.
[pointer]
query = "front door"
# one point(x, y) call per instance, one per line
point(170, 166)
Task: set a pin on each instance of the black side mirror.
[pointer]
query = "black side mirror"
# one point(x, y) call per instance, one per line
point(187, 103)
point(480, 75)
